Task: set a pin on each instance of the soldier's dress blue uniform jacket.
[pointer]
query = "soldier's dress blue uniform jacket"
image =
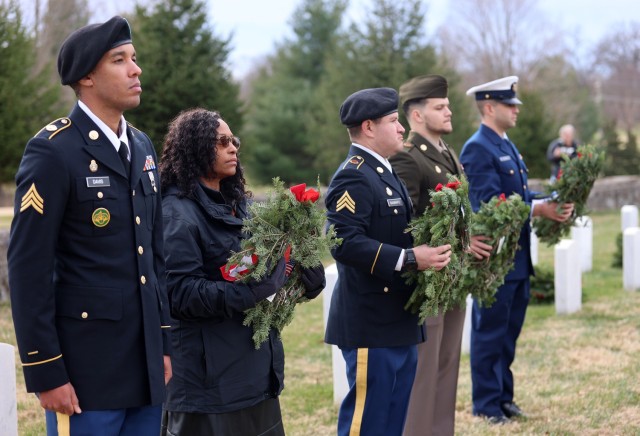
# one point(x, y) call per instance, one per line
point(370, 209)
point(86, 267)
point(494, 166)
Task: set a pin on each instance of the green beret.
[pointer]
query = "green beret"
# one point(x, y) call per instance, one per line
point(429, 86)
point(83, 49)
point(368, 104)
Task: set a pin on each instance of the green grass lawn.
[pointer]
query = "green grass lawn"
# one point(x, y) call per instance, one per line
point(575, 374)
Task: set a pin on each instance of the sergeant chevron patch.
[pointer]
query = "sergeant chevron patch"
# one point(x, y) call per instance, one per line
point(346, 202)
point(32, 199)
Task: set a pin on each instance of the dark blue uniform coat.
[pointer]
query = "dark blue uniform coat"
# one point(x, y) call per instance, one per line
point(370, 209)
point(86, 267)
point(494, 166)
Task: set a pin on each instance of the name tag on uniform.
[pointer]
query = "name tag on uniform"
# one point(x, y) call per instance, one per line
point(98, 182)
point(505, 158)
point(395, 202)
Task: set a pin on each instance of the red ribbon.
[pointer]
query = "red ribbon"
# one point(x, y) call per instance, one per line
point(559, 173)
point(439, 187)
point(232, 273)
point(453, 185)
point(303, 194)
point(502, 199)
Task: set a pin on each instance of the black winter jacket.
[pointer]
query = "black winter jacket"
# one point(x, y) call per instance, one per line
point(216, 368)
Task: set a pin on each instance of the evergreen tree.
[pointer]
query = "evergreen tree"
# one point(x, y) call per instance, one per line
point(621, 158)
point(533, 133)
point(386, 48)
point(282, 97)
point(25, 95)
point(183, 65)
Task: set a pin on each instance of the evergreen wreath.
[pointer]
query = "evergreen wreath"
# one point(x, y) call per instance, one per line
point(501, 220)
point(288, 224)
point(573, 185)
point(445, 222)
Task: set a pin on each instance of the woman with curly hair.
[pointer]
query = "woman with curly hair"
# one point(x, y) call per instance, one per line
point(221, 384)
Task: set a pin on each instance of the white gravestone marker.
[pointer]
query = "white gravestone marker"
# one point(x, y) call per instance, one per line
point(631, 259)
point(568, 278)
point(533, 248)
point(582, 233)
point(8, 410)
point(340, 384)
point(629, 216)
point(466, 329)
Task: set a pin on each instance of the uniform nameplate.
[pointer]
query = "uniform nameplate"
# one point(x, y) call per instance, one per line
point(98, 182)
point(505, 158)
point(395, 202)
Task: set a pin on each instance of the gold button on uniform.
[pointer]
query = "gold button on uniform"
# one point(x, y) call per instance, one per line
point(511, 171)
point(389, 192)
point(143, 279)
point(521, 172)
point(386, 289)
point(395, 211)
point(84, 315)
point(524, 187)
point(100, 194)
point(380, 170)
point(140, 250)
point(438, 170)
point(423, 147)
point(94, 135)
point(138, 220)
point(133, 193)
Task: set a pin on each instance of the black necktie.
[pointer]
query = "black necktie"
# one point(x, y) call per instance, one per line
point(123, 152)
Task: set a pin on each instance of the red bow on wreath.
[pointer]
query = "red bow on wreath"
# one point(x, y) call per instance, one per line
point(453, 185)
point(502, 199)
point(439, 187)
point(303, 194)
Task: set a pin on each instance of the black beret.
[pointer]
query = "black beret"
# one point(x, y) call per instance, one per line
point(368, 104)
point(429, 86)
point(83, 49)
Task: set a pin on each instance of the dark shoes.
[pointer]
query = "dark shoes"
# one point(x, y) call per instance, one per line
point(498, 420)
point(495, 420)
point(511, 410)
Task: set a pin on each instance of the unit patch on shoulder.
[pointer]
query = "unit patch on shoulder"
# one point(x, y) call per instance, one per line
point(32, 199)
point(354, 160)
point(346, 202)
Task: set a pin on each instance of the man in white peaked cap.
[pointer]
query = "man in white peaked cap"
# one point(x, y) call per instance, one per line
point(494, 166)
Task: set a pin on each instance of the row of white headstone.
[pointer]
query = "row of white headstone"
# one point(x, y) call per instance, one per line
point(572, 257)
point(568, 299)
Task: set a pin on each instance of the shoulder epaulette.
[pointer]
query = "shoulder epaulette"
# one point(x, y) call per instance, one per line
point(354, 162)
point(54, 127)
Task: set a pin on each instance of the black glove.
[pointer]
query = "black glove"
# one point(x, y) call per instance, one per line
point(313, 280)
point(270, 284)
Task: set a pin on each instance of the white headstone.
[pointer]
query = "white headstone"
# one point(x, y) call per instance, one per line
point(631, 259)
point(629, 216)
point(8, 409)
point(466, 329)
point(582, 233)
point(340, 383)
point(533, 248)
point(568, 278)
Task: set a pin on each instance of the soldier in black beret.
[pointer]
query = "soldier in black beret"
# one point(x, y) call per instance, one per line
point(86, 261)
point(425, 161)
point(370, 209)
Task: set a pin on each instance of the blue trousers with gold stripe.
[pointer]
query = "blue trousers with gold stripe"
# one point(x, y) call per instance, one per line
point(134, 421)
point(380, 381)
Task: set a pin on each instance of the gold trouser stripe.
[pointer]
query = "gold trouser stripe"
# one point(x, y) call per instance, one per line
point(64, 429)
point(376, 259)
point(362, 363)
point(42, 361)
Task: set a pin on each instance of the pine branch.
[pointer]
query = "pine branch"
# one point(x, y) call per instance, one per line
point(445, 222)
point(574, 183)
point(276, 225)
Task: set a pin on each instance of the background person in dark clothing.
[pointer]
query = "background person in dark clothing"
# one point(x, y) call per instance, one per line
point(222, 384)
point(565, 145)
